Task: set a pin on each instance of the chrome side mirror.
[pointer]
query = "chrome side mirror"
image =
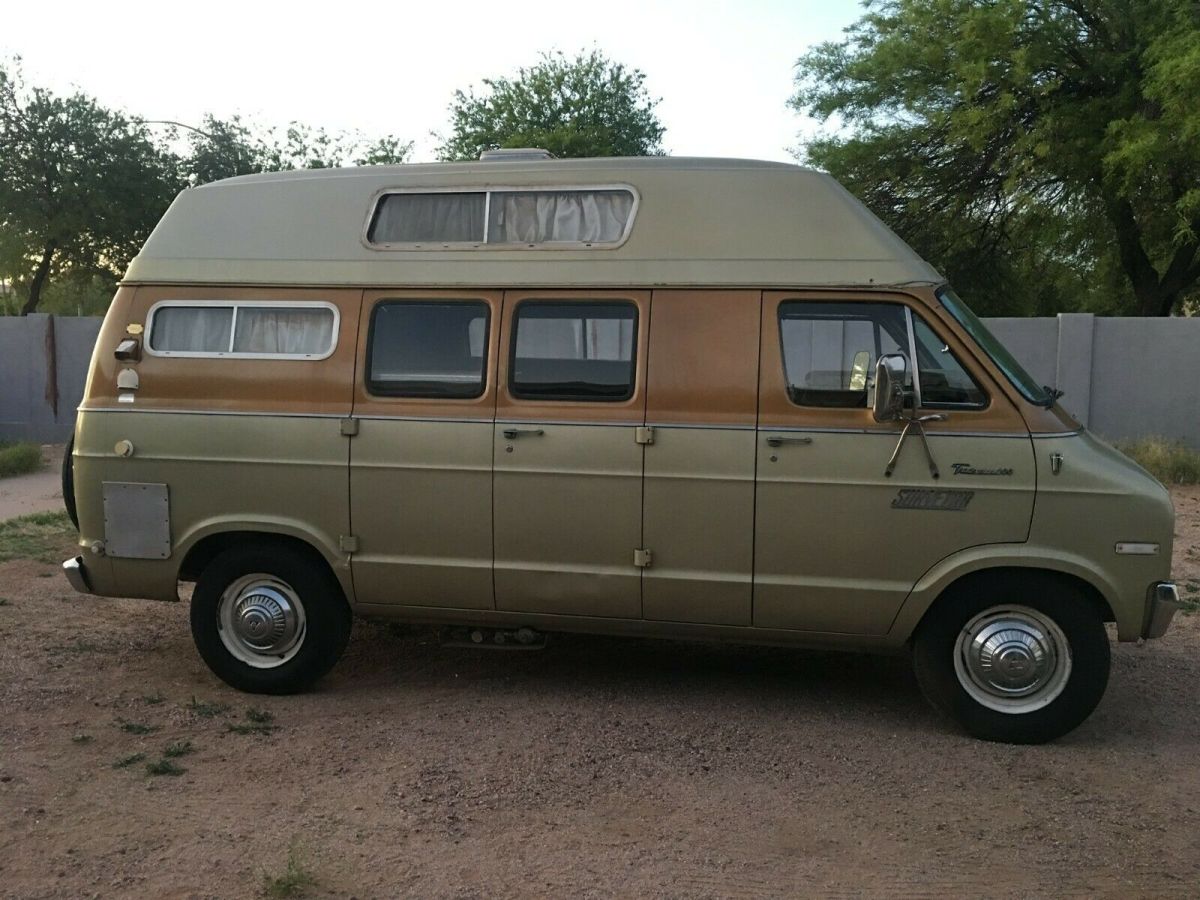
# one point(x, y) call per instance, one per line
point(888, 405)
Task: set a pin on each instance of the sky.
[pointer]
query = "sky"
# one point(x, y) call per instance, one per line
point(723, 71)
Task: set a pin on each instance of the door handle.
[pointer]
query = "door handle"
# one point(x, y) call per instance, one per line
point(776, 440)
point(512, 434)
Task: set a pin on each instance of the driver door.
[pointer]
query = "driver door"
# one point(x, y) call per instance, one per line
point(838, 543)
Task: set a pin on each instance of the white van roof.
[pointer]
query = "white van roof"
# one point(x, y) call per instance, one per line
point(698, 223)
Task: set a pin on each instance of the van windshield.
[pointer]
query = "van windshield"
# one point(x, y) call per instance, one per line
point(1021, 380)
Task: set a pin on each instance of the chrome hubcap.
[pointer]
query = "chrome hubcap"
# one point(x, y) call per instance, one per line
point(1012, 659)
point(261, 621)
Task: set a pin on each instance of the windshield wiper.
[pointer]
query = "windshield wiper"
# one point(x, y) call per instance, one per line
point(1052, 394)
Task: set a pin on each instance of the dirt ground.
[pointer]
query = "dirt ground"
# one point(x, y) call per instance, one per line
point(38, 492)
point(595, 768)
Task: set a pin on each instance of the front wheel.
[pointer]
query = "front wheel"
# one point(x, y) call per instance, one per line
point(269, 619)
point(1019, 660)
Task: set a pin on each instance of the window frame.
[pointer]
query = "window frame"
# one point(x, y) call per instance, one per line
point(913, 355)
point(371, 386)
point(488, 190)
point(335, 333)
point(584, 302)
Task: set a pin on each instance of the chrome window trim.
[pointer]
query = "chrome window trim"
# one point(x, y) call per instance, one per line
point(912, 355)
point(234, 305)
point(487, 190)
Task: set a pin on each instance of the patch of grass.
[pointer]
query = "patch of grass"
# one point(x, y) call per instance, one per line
point(136, 727)
point(154, 699)
point(164, 767)
point(205, 709)
point(258, 721)
point(131, 760)
point(1189, 597)
point(178, 749)
point(295, 880)
point(44, 537)
point(3, 601)
point(19, 458)
point(82, 739)
point(1170, 461)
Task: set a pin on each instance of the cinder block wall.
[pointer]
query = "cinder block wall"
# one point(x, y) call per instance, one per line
point(43, 365)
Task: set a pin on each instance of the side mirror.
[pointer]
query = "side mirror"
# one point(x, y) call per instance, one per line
point(889, 387)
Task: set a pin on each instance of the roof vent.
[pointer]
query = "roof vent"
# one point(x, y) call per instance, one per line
point(515, 154)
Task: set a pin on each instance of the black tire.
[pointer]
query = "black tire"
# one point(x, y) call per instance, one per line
point(321, 641)
point(68, 481)
point(935, 648)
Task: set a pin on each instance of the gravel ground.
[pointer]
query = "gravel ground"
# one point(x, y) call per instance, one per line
point(595, 768)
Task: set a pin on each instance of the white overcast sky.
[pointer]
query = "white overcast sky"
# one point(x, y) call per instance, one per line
point(723, 70)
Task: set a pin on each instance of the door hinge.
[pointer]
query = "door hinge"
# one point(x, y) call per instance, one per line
point(348, 543)
point(644, 434)
point(349, 427)
point(643, 558)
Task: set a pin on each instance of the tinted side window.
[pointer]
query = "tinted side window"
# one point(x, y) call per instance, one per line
point(573, 351)
point(428, 349)
point(830, 349)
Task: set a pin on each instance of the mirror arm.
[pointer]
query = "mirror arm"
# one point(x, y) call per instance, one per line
point(919, 423)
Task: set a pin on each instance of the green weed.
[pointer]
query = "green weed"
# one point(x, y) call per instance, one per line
point(295, 880)
point(131, 760)
point(1170, 461)
point(46, 537)
point(19, 458)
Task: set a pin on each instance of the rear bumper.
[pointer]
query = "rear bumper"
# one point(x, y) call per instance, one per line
point(77, 575)
point(1161, 606)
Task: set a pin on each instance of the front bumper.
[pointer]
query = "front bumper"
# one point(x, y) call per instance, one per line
point(77, 575)
point(1161, 606)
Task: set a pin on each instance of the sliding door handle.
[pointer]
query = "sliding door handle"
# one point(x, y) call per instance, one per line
point(511, 434)
point(776, 440)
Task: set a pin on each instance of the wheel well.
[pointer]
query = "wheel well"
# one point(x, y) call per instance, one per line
point(1025, 576)
point(209, 548)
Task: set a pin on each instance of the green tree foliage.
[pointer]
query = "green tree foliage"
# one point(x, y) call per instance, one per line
point(224, 148)
point(586, 106)
point(1044, 153)
point(80, 187)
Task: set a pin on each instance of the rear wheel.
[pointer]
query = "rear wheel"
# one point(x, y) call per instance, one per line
point(1020, 659)
point(269, 619)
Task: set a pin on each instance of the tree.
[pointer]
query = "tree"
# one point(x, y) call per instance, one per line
point(586, 106)
point(226, 148)
point(80, 186)
point(1052, 144)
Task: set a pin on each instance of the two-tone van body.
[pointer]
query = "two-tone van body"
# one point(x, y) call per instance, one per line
point(681, 398)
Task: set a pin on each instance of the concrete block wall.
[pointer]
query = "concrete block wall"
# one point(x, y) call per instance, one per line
point(43, 366)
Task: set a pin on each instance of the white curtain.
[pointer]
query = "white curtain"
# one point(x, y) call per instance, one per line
point(575, 338)
point(295, 331)
point(192, 329)
point(540, 217)
point(422, 218)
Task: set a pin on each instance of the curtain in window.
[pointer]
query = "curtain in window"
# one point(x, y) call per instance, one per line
point(192, 329)
point(295, 331)
point(421, 218)
point(538, 217)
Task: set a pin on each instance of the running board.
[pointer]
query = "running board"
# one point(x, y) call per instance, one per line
point(493, 638)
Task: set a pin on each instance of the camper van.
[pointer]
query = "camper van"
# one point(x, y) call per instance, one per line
point(679, 398)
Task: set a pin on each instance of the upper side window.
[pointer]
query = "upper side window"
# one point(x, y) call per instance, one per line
point(830, 349)
point(252, 330)
point(945, 384)
point(427, 348)
point(564, 350)
point(577, 217)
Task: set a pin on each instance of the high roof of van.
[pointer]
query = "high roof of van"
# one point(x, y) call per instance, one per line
point(695, 222)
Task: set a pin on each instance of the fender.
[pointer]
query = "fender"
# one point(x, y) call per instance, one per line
point(1023, 556)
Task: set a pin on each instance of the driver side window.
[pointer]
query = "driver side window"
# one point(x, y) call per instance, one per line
point(830, 349)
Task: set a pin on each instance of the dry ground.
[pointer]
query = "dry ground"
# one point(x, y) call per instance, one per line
point(595, 768)
point(37, 492)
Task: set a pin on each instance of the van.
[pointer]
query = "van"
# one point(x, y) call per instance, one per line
point(664, 397)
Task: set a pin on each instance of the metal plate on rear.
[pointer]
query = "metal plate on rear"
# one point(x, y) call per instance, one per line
point(137, 520)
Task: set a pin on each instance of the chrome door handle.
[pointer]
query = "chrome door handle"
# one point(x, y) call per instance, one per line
point(512, 434)
point(776, 440)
